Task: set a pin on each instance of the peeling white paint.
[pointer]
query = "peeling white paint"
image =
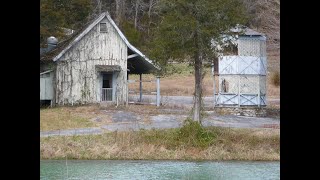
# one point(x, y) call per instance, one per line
point(77, 80)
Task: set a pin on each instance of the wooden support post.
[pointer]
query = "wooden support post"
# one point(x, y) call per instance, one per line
point(158, 91)
point(140, 88)
point(117, 102)
point(214, 85)
point(127, 83)
point(259, 91)
point(239, 97)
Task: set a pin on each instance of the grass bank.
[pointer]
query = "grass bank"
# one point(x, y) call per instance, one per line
point(66, 118)
point(190, 142)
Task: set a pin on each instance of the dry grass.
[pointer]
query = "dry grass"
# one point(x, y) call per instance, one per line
point(275, 78)
point(273, 91)
point(67, 117)
point(85, 116)
point(228, 144)
point(173, 85)
point(183, 85)
point(273, 60)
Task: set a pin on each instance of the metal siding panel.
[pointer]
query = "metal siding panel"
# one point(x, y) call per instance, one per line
point(228, 99)
point(228, 65)
point(263, 66)
point(262, 84)
point(46, 88)
point(232, 82)
point(42, 88)
point(248, 64)
point(249, 84)
point(263, 100)
point(249, 100)
point(242, 65)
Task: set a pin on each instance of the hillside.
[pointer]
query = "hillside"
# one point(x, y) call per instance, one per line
point(137, 18)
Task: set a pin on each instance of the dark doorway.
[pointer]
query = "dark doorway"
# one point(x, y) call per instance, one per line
point(106, 87)
point(107, 81)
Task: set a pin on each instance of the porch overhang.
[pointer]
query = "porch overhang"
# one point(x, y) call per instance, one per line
point(107, 68)
point(139, 64)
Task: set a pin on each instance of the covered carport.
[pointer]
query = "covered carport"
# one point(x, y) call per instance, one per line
point(139, 64)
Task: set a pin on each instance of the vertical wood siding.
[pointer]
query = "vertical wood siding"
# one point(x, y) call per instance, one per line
point(77, 80)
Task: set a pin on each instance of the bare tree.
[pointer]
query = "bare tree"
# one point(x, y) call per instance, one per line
point(265, 16)
point(136, 13)
point(120, 11)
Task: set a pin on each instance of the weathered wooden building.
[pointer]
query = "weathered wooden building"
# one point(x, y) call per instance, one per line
point(91, 66)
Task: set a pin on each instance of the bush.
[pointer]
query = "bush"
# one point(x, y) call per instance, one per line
point(192, 133)
point(181, 69)
point(275, 78)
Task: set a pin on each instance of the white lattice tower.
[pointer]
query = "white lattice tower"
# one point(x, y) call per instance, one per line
point(242, 78)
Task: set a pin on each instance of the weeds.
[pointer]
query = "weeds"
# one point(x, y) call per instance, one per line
point(275, 78)
point(193, 134)
point(190, 142)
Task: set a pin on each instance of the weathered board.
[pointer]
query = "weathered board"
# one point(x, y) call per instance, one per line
point(46, 88)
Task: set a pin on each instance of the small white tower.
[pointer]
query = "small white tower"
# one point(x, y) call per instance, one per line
point(242, 78)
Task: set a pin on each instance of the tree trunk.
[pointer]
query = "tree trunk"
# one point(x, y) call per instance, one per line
point(120, 4)
point(136, 14)
point(99, 6)
point(150, 7)
point(198, 88)
point(149, 15)
point(198, 80)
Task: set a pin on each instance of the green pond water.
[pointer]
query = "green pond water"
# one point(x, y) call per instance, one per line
point(123, 169)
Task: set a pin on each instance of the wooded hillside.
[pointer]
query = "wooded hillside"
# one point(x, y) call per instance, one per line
point(136, 18)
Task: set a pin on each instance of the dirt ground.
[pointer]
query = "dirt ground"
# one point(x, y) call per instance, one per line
point(136, 117)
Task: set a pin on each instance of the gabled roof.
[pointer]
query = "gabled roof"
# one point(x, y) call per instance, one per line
point(64, 46)
point(246, 31)
point(251, 32)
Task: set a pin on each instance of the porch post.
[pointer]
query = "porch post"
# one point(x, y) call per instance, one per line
point(259, 95)
point(140, 87)
point(127, 84)
point(239, 96)
point(158, 91)
point(214, 85)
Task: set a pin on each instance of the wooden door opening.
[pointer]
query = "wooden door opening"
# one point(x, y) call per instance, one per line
point(107, 87)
